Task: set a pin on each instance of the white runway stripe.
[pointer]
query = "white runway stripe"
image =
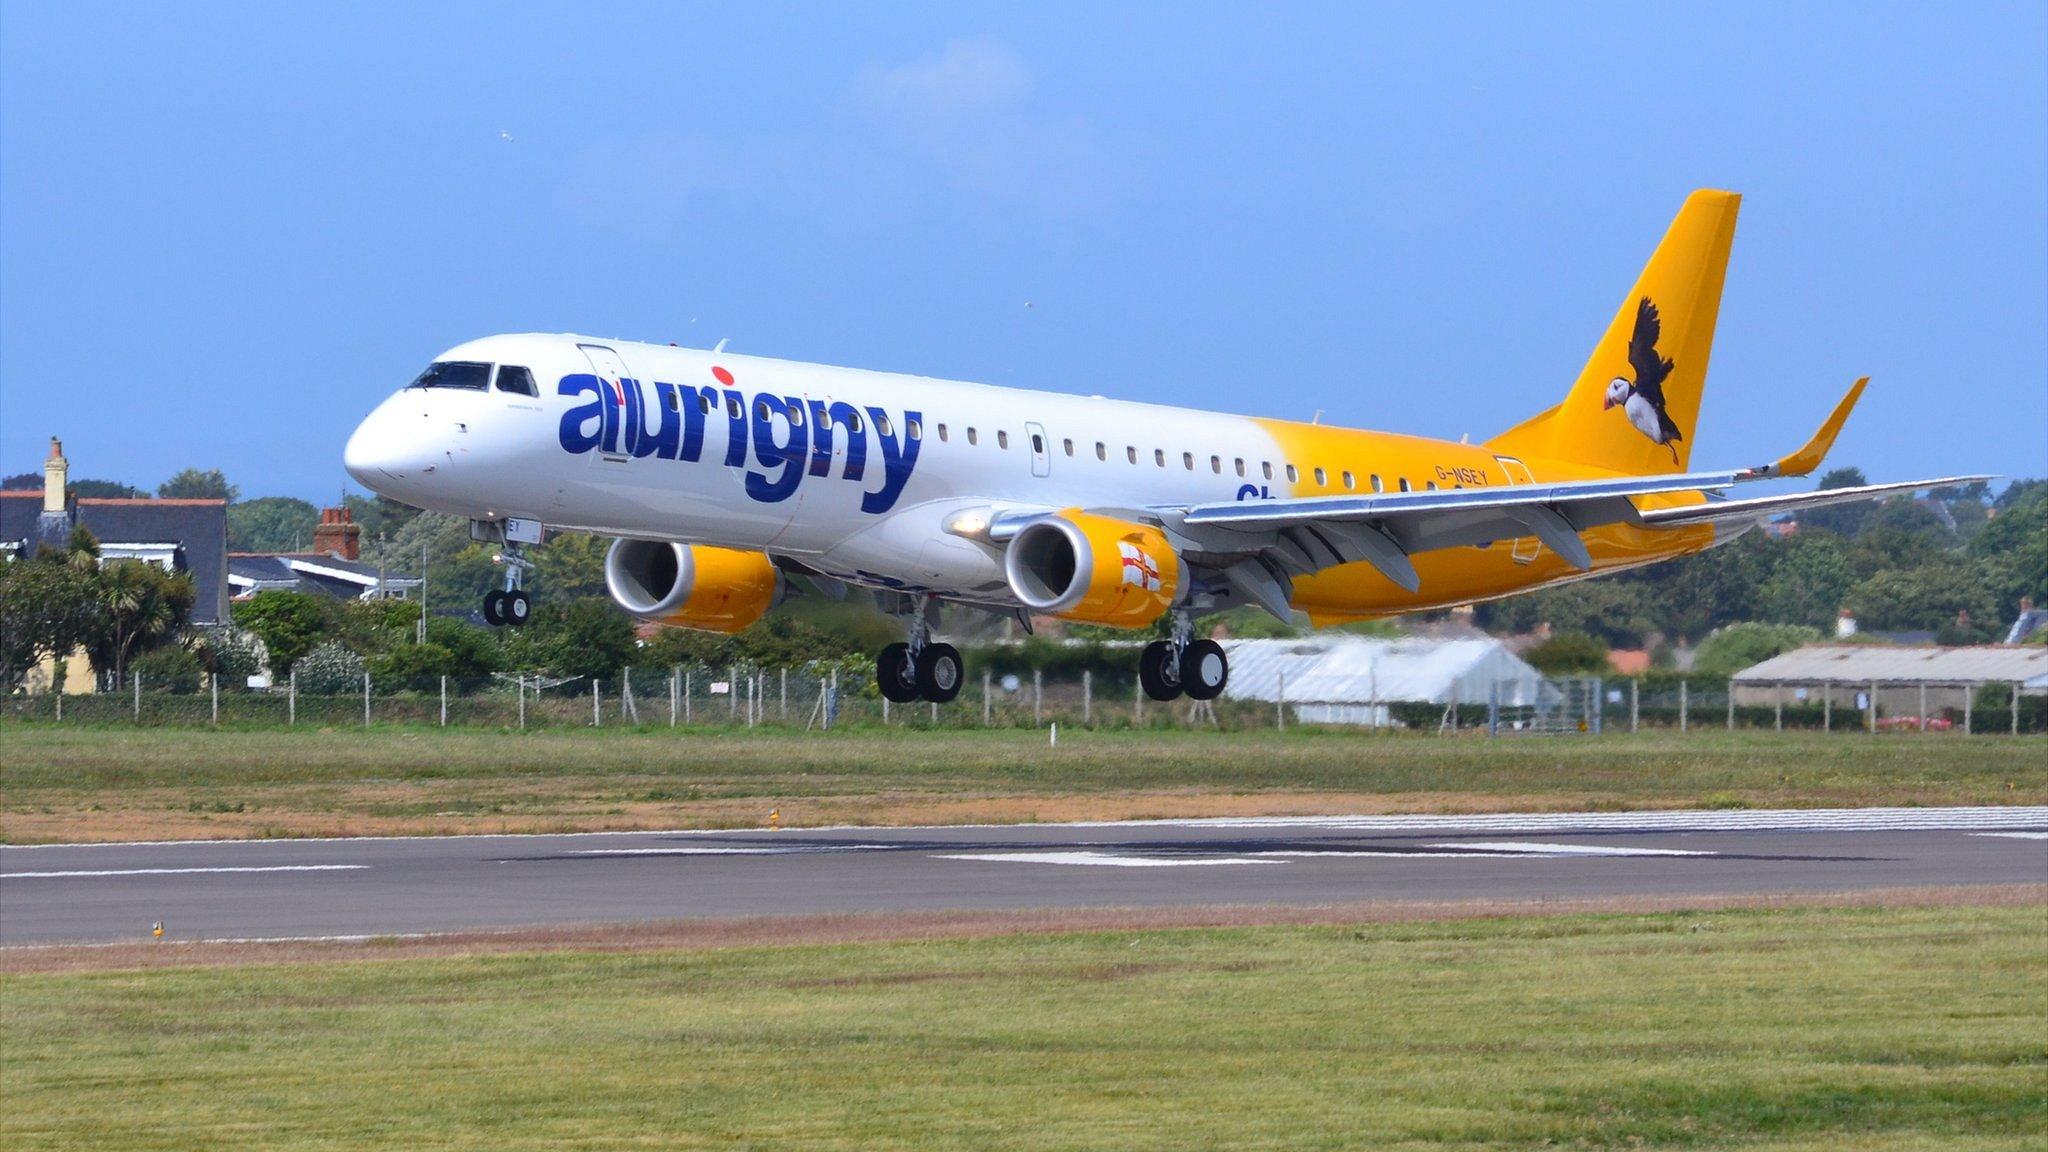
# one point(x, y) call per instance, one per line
point(1103, 859)
point(1529, 848)
point(733, 850)
point(184, 871)
point(2015, 835)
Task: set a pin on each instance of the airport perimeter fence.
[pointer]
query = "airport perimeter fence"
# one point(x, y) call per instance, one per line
point(815, 699)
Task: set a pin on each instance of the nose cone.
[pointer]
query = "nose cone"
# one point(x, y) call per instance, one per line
point(390, 452)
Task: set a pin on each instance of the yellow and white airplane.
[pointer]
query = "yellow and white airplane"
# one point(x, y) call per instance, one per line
point(727, 477)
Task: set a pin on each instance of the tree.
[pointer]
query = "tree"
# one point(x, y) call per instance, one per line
point(1738, 646)
point(141, 607)
point(1900, 533)
point(194, 484)
point(1809, 578)
point(290, 624)
point(1927, 597)
point(32, 481)
point(47, 610)
point(1844, 520)
point(2012, 550)
point(573, 638)
point(1567, 653)
point(271, 524)
point(21, 482)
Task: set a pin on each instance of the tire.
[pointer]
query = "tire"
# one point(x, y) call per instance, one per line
point(1158, 672)
point(894, 674)
point(939, 673)
point(516, 608)
point(494, 608)
point(1204, 669)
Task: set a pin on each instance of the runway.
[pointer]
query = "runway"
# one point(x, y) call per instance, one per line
point(394, 886)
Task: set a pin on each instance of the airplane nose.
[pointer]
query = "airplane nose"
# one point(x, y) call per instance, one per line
point(388, 452)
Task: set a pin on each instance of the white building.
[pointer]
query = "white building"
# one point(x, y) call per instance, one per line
point(1337, 678)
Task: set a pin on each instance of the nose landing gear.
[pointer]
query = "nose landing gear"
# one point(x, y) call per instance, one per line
point(1197, 667)
point(921, 668)
point(511, 607)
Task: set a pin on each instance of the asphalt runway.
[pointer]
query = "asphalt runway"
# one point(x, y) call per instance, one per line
point(270, 889)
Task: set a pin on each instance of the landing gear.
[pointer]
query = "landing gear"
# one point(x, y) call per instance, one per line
point(921, 668)
point(512, 606)
point(1168, 668)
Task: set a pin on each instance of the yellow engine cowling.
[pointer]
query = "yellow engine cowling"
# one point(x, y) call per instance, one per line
point(1095, 569)
point(691, 585)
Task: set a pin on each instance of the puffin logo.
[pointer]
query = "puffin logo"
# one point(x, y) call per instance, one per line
point(1642, 399)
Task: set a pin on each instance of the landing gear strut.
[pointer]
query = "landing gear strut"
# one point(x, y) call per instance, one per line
point(1183, 664)
point(512, 606)
point(920, 668)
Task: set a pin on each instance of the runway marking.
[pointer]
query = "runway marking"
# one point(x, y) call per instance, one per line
point(183, 871)
point(1102, 859)
point(732, 850)
point(2015, 835)
point(1527, 848)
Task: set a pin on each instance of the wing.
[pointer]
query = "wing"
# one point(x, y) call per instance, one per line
point(1650, 368)
point(1755, 510)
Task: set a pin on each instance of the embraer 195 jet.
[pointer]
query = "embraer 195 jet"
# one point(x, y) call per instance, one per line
point(727, 478)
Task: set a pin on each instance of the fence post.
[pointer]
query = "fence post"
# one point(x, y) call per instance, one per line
point(1827, 707)
point(1969, 704)
point(444, 701)
point(732, 692)
point(1684, 705)
point(1037, 696)
point(366, 699)
point(522, 701)
point(138, 697)
point(60, 707)
point(1599, 705)
point(596, 705)
point(1635, 710)
point(1138, 703)
point(1493, 708)
point(832, 699)
point(985, 703)
point(215, 681)
point(752, 683)
point(2015, 709)
point(1087, 698)
point(1731, 705)
point(1777, 705)
point(885, 711)
point(1870, 713)
point(783, 713)
point(1923, 705)
point(675, 680)
point(291, 699)
point(1280, 701)
point(687, 675)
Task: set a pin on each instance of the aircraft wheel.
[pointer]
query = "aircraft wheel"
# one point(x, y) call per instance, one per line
point(494, 608)
point(896, 675)
point(1158, 672)
point(516, 608)
point(1204, 669)
point(939, 674)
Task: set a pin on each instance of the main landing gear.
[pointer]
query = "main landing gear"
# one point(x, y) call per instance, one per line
point(512, 606)
point(921, 668)
point(1183, 664)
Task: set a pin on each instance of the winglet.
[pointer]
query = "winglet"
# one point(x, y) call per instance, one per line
point(1815, 450)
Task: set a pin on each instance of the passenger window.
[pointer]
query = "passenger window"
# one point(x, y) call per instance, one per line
point(1159, 457)
point(1377, 486)
point(853, 422)
point(1037, 443)
point(675, 401)
point(973, 437)
point(913, 428)
point(761, 410)
point(942, 433)
point(467, 374)
point(1187, 461)
point(704, 403)
point(1240, 466)
point(1069, 444)
point(1431, 485)
point(1132, 453)
point(882, 425)
point(1101, 450)
point(796, 415)
point(1292, 475)
point(1216, 465)
point(1322, 478)
point(1349, 482)
point(1002, 440)
point(1405, 487)
point(513, 378)
point(732, 406)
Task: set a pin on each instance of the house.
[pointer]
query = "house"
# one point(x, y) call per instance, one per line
point(334, 567)
point(189, 536)
point(1335, 678)
point(1900, 676)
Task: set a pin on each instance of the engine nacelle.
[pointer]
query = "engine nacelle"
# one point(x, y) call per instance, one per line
point(1094, 569)
point(691, 585)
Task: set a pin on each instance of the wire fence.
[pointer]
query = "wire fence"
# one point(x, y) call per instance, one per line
point(815, 699)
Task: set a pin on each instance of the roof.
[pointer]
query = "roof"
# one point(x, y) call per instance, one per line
point(198, 527)
point(320, 572)
point(1343, 668)
point(1867, 663)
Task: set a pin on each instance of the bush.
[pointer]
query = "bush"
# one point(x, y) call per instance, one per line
point(232, 655)
point(1729, 650)
point(1566, 653)
point(329, 670)
point(172, 668)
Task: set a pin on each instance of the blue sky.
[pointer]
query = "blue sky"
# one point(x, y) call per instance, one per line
point(226, 232)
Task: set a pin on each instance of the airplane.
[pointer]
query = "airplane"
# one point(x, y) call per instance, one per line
point(729, 480)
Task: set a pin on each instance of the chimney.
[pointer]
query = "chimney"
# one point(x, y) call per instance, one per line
point(56, 477)
point(337, 534)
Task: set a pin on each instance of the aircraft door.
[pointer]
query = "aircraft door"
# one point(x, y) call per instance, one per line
point(1041, 449)
point(1525, 548)
point(611, 371)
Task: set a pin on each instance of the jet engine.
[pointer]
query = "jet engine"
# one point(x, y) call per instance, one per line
point(1094, 569)
point(691, 585)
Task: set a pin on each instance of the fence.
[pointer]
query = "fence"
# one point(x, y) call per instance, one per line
point(817, 699)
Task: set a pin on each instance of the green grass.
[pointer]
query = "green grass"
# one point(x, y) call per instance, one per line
point(101, 783)
point(1799, 1028)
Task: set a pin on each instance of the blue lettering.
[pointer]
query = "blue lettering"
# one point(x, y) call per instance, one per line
point(899, 456)
point(696, 402)
point(735, 430)
point(633, 418)
point(576, 435)
point(660, 442)
point(788, 455)
point(824, 419)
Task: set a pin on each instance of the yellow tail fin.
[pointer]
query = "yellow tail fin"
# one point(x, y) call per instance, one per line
point(1635, 403)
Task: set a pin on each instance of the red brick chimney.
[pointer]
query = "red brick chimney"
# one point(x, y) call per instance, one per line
point(337, 534)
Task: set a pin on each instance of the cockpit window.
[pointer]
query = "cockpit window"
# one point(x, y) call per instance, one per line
point(513, 378)
point(455, 374)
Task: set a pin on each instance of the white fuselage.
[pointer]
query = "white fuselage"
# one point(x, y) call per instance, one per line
point(619, 442)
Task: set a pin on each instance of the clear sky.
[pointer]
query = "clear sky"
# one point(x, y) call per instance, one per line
point(226, 232)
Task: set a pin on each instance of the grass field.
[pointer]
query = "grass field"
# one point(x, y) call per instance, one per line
point(1913, 1027)
point(60, 784)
